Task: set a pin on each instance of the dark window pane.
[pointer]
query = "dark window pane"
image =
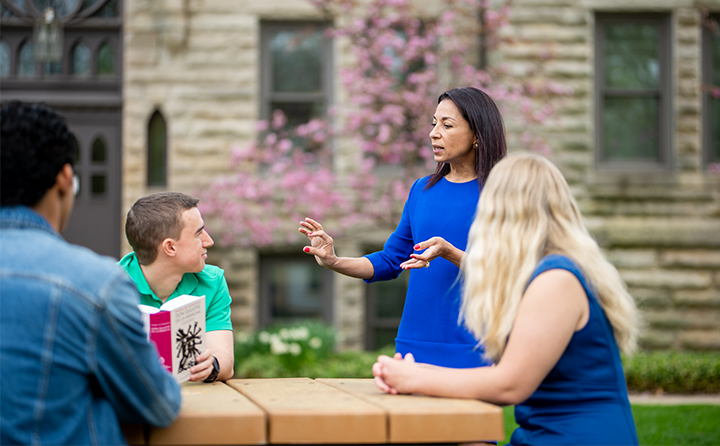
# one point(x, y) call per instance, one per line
point(391, 297)
point(110, 9)
point(297, 60)
point(4, 59)
point(81, 60)
point(630, 128)
point(295, 289)
point(99, 151)
point(631, 55)
point(62, 7)
point(52, 68)
point(98, 185)
point(77, 151)
point(298, 112)
point(26, 67)
point(384, 337)
point(715, 44)
point(715, 129)
point(106, 60)
point(157, 151)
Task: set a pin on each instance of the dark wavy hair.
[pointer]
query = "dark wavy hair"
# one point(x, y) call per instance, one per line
point(486, 123)
point(35, 144)
point(154, 218)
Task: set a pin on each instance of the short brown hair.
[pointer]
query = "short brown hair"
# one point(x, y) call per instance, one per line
point(154, 218)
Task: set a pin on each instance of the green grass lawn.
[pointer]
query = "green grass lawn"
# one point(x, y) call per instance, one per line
point(662, 425)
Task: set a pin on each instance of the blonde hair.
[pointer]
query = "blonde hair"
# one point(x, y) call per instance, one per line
point(526, 211)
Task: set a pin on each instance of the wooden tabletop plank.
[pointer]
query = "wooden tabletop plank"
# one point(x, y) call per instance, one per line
point(422, 419)
point(213, 414)
point(301, 410)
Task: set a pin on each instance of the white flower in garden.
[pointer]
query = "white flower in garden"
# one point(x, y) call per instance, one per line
point(284, 333)
point(295, 349)
point(315, 342)
point(277, 346)
point(301, 333)
point(243, 337)
point(264, 337)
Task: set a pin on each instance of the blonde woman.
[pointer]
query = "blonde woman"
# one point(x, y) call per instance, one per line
point(551, 311)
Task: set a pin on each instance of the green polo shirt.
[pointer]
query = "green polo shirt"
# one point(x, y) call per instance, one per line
point(209, 282)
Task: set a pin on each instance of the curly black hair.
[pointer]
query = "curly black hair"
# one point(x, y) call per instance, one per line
point(35, 144)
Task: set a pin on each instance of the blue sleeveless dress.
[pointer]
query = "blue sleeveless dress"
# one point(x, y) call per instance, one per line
point(583, 400)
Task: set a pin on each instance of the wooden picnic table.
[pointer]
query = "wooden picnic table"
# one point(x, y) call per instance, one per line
point(320, 411)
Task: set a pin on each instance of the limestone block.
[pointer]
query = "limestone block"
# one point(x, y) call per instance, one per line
point(709, 298)
point(703, 259)
point(654, 339)
point(668, 279)
point(561, 16)
point(651, 298)
point(668, 232)
point(552, 33)
point(568, 69)
point(141, 49)
point(682, 319)
point(701, 339)
point(632, 258)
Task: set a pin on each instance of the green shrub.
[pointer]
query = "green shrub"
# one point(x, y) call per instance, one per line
point(673, 372)
point(292, 346)
point(307, 349)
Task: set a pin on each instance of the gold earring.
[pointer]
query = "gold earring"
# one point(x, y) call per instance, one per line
point(475, 145)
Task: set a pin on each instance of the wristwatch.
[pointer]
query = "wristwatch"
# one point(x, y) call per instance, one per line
point(215, 371)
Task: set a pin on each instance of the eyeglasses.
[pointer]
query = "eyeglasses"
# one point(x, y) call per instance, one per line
point(76, 185)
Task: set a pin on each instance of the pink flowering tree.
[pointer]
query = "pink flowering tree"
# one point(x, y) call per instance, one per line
point(392, 87)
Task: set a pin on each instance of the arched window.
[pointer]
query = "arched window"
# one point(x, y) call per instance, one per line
point(81, 60)
point(26, 67)
point(99, 152)
point(98, 179)
point(106, 60)
point(157, 151)
point(4, 59)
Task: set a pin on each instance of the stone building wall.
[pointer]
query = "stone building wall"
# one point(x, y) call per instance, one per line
point(197, 61)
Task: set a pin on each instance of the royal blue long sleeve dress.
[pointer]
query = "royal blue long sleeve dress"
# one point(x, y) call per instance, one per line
point(429, 326)
point(583, 400)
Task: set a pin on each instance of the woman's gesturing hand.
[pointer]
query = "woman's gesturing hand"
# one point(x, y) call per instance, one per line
point(321, 244)
point(433, 248)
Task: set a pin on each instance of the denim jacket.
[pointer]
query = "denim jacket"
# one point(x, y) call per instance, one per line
point(74, 360)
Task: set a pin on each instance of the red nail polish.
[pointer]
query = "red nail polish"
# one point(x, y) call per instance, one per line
point(306, 249)
point(309, 233)
point(417, 246)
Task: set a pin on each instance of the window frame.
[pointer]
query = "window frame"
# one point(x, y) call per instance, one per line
point(663, 92)
point(707, 76)
point(267, 260)
point(372, 320)
point(267, 30)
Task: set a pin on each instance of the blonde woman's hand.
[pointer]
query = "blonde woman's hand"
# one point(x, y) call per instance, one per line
point(385, 370)
point(432, 248)
point(321, 244)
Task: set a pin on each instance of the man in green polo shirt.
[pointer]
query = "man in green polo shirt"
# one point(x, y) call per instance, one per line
point(168, 235)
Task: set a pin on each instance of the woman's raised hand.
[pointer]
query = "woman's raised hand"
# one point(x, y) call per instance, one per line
point(321, 244)
point(433, 248)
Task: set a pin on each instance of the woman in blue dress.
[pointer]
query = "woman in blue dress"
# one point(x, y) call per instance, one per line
point(552, 312)
point(467, 140)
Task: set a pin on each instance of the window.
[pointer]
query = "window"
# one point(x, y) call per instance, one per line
point(296, 71)
point(294, 288)
point(157, 151)
point(632, 91)
point(4, 59)
point(26, 65)
point(81, 60)
point(385, 302)
point(105, 60)
point(711, 92)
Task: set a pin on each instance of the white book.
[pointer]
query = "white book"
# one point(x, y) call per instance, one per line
point(177, 329)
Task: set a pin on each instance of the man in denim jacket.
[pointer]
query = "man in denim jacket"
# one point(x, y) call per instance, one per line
point(75, 359)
